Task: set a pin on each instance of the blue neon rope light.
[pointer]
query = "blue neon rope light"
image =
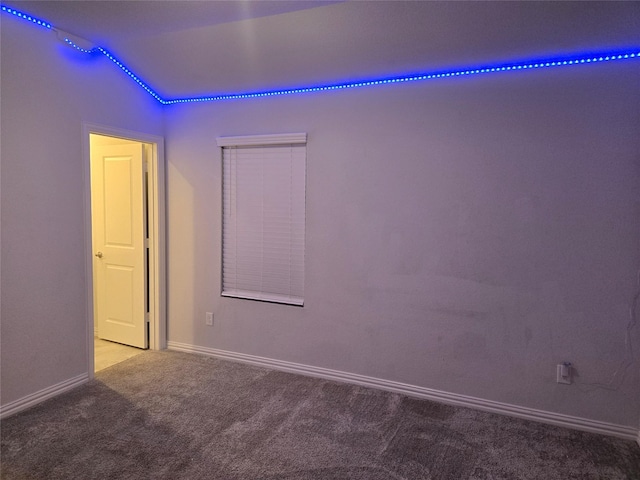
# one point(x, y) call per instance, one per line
point(578, 59)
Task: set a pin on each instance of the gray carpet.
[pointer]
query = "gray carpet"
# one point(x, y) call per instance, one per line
point(169, 415)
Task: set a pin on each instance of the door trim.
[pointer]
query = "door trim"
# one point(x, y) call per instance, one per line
point(157, 248)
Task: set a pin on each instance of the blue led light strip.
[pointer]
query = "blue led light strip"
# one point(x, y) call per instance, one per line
point(24, 16)
point(135, 78)
point(77, 47)
point(581, 59)
point(526, 65)
point(71, 43)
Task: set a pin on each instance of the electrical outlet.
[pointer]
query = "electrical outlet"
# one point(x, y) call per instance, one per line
point(563, 373)
point(209, 319)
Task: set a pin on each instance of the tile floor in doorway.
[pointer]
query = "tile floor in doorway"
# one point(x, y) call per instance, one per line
point(108, 353)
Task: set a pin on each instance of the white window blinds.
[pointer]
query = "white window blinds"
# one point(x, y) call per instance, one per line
point(263, 221)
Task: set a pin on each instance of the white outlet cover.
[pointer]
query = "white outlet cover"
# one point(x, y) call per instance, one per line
point(559, 378)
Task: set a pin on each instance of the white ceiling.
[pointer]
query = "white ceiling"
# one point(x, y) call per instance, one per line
point(103, 20)
point(186, 48)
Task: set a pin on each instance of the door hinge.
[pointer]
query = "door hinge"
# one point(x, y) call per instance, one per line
point(146, 317)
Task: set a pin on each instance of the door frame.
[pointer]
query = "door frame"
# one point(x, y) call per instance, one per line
point(157, 246)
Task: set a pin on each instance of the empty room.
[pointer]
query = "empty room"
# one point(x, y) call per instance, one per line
point(326, 240)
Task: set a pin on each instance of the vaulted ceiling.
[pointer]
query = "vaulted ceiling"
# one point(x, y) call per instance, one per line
point(186, 48)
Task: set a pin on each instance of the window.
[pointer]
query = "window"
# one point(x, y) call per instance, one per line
point(263, 219)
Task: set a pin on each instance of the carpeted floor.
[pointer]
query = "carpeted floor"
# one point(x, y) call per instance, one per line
point(170, 415)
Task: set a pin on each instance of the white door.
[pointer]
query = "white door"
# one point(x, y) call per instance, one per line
point(118, 218)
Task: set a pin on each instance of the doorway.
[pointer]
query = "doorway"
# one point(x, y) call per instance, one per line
point(125, 246)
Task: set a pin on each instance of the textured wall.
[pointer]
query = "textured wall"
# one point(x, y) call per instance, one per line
point(48, 91)
point(465, 235)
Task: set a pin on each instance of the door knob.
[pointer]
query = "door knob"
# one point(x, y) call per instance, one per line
point(99, 254)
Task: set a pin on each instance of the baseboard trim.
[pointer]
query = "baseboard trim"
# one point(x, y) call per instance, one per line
point(542, 416)
point(23, 403)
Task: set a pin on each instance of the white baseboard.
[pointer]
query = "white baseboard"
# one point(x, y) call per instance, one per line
point(542, 416)
point(23, 403)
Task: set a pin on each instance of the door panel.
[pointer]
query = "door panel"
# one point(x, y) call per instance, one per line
point(120, 284)
point(117, 195)
point(118, 187)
